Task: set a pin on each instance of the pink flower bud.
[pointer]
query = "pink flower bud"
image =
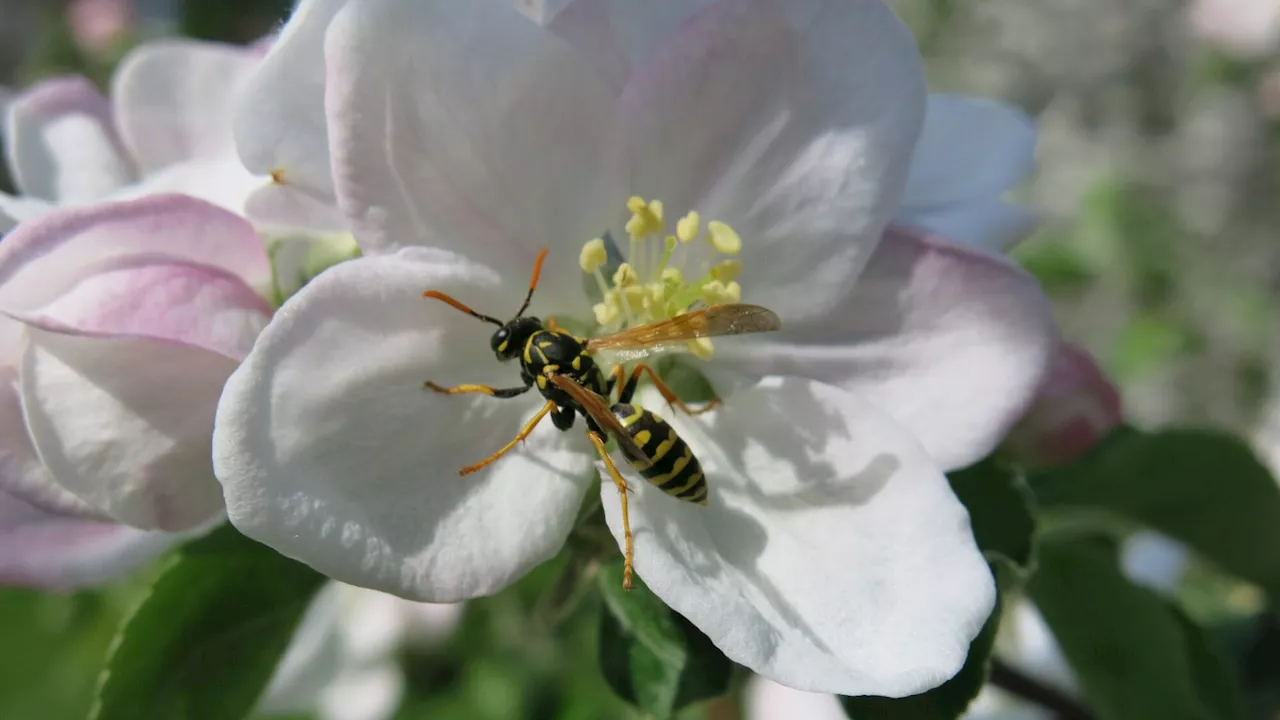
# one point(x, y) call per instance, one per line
point(1075, 407)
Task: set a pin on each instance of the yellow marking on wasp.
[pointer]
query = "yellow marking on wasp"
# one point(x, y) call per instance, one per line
point(544, 344)
point(527, 357)
point(642, 438)
point(675, 470)
point(627, 421)
point(548, 369)
point(542, 382)
point(697, 477)
point(665, 446)
point(503, 346)
point(577, 363)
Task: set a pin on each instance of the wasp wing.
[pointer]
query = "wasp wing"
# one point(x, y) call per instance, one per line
point(712, 321)
point(596, 407)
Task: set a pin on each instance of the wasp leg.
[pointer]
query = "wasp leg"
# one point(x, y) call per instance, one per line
point(629, 389)
point(628, 553)
point(563, 417)
point(524, 433)
point(485, 389)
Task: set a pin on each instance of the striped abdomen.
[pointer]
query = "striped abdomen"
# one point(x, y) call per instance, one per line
point(668, 462)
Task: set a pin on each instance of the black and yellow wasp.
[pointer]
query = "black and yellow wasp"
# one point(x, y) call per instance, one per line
point(562, 367)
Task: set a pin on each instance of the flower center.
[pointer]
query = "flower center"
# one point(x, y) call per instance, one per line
point(663, 275)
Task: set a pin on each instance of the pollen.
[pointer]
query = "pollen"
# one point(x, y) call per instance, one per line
point(664, 274)
point(593, 255)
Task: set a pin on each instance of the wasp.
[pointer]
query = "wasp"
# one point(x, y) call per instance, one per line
point(561, 366)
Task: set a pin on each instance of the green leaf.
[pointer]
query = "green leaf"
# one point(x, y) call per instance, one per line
point(204, 642)
point(1204, 488)
point(1131, 651)
point(1000, 510)
point(652, 656)
point(950, 699)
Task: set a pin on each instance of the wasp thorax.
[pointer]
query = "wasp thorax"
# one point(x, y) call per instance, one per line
point(665, 275)
point(508, 341)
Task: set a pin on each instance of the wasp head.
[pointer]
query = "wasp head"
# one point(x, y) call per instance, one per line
point(509, 340)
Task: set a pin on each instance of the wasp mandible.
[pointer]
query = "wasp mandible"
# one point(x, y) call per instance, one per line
point(563, 369)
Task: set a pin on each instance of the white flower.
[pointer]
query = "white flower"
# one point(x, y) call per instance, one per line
point(166, 128)
point(465, 138)
point(342, 664)
point(121, 322)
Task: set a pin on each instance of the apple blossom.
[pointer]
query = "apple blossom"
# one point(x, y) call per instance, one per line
point(341, 663)
point(463, 138)
point(166, 128)
point(121, 321)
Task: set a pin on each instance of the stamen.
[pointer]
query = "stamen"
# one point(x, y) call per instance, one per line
point(723, 238)
point(593, 255)
point(688, 226)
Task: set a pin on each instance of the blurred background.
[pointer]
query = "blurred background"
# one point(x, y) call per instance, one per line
point(1159, 166)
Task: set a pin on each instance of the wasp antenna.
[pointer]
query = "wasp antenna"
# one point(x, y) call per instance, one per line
point(459, 306)
point(533, 281)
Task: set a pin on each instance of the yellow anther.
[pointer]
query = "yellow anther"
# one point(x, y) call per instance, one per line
point(593, 255)
point(733, 292)
point(635, 295)
point(702, 348)
point(672, 277)
point(625, 275)
point(727, 270)
point(717, 293)
point(688, 226)
point(723, 238)
point(657, 292)
point(646, 218)
point(606, 313)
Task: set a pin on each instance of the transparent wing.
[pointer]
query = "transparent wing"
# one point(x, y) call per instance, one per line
point(596, 407)
point(711, 321)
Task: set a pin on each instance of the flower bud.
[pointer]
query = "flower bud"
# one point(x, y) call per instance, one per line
point(1075, 407)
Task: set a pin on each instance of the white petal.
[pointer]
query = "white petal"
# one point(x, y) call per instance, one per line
point(22, 475)
point(289, 207)
point(61, 143)
point(952, 342)
point(279, 119)
point(221, 181)
point(767, 700)
point(14, 210)
point(991, 225)
point(330, 450)
point(125, 424)
point(43, 258)
point(494, 155)
point(184, 303)
point(173, 100)
point(792, 122)
point(62, 552)
point(832, 555)
point(971, 152)
point(370, 693)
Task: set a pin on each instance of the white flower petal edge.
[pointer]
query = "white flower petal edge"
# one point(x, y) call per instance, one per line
point(63, 552)
point(767, 700)
point(330, 450)
point(741, 115)
point(61, 143)
point(971, 152)
point(832, 556)
point(173, 100)
point(125, 424)
point(493, 155)
point(952, 342)
point(279, 120)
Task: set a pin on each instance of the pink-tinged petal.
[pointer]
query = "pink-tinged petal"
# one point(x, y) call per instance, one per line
point(197, 305)
point(767, 700)
point(971, 152)
point(42, 259)
point(282, 206)
point(492, 155)
point(14, 210)
point(221, 181)
point(1075, 407)
point(173, 100)
point(63, 552)
point(61, 143)
point(126, 424)
point(330, 449)
point(794, 122)
point(22, 475)
point(952, 342)
point(279, 120)
point(831, 556)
